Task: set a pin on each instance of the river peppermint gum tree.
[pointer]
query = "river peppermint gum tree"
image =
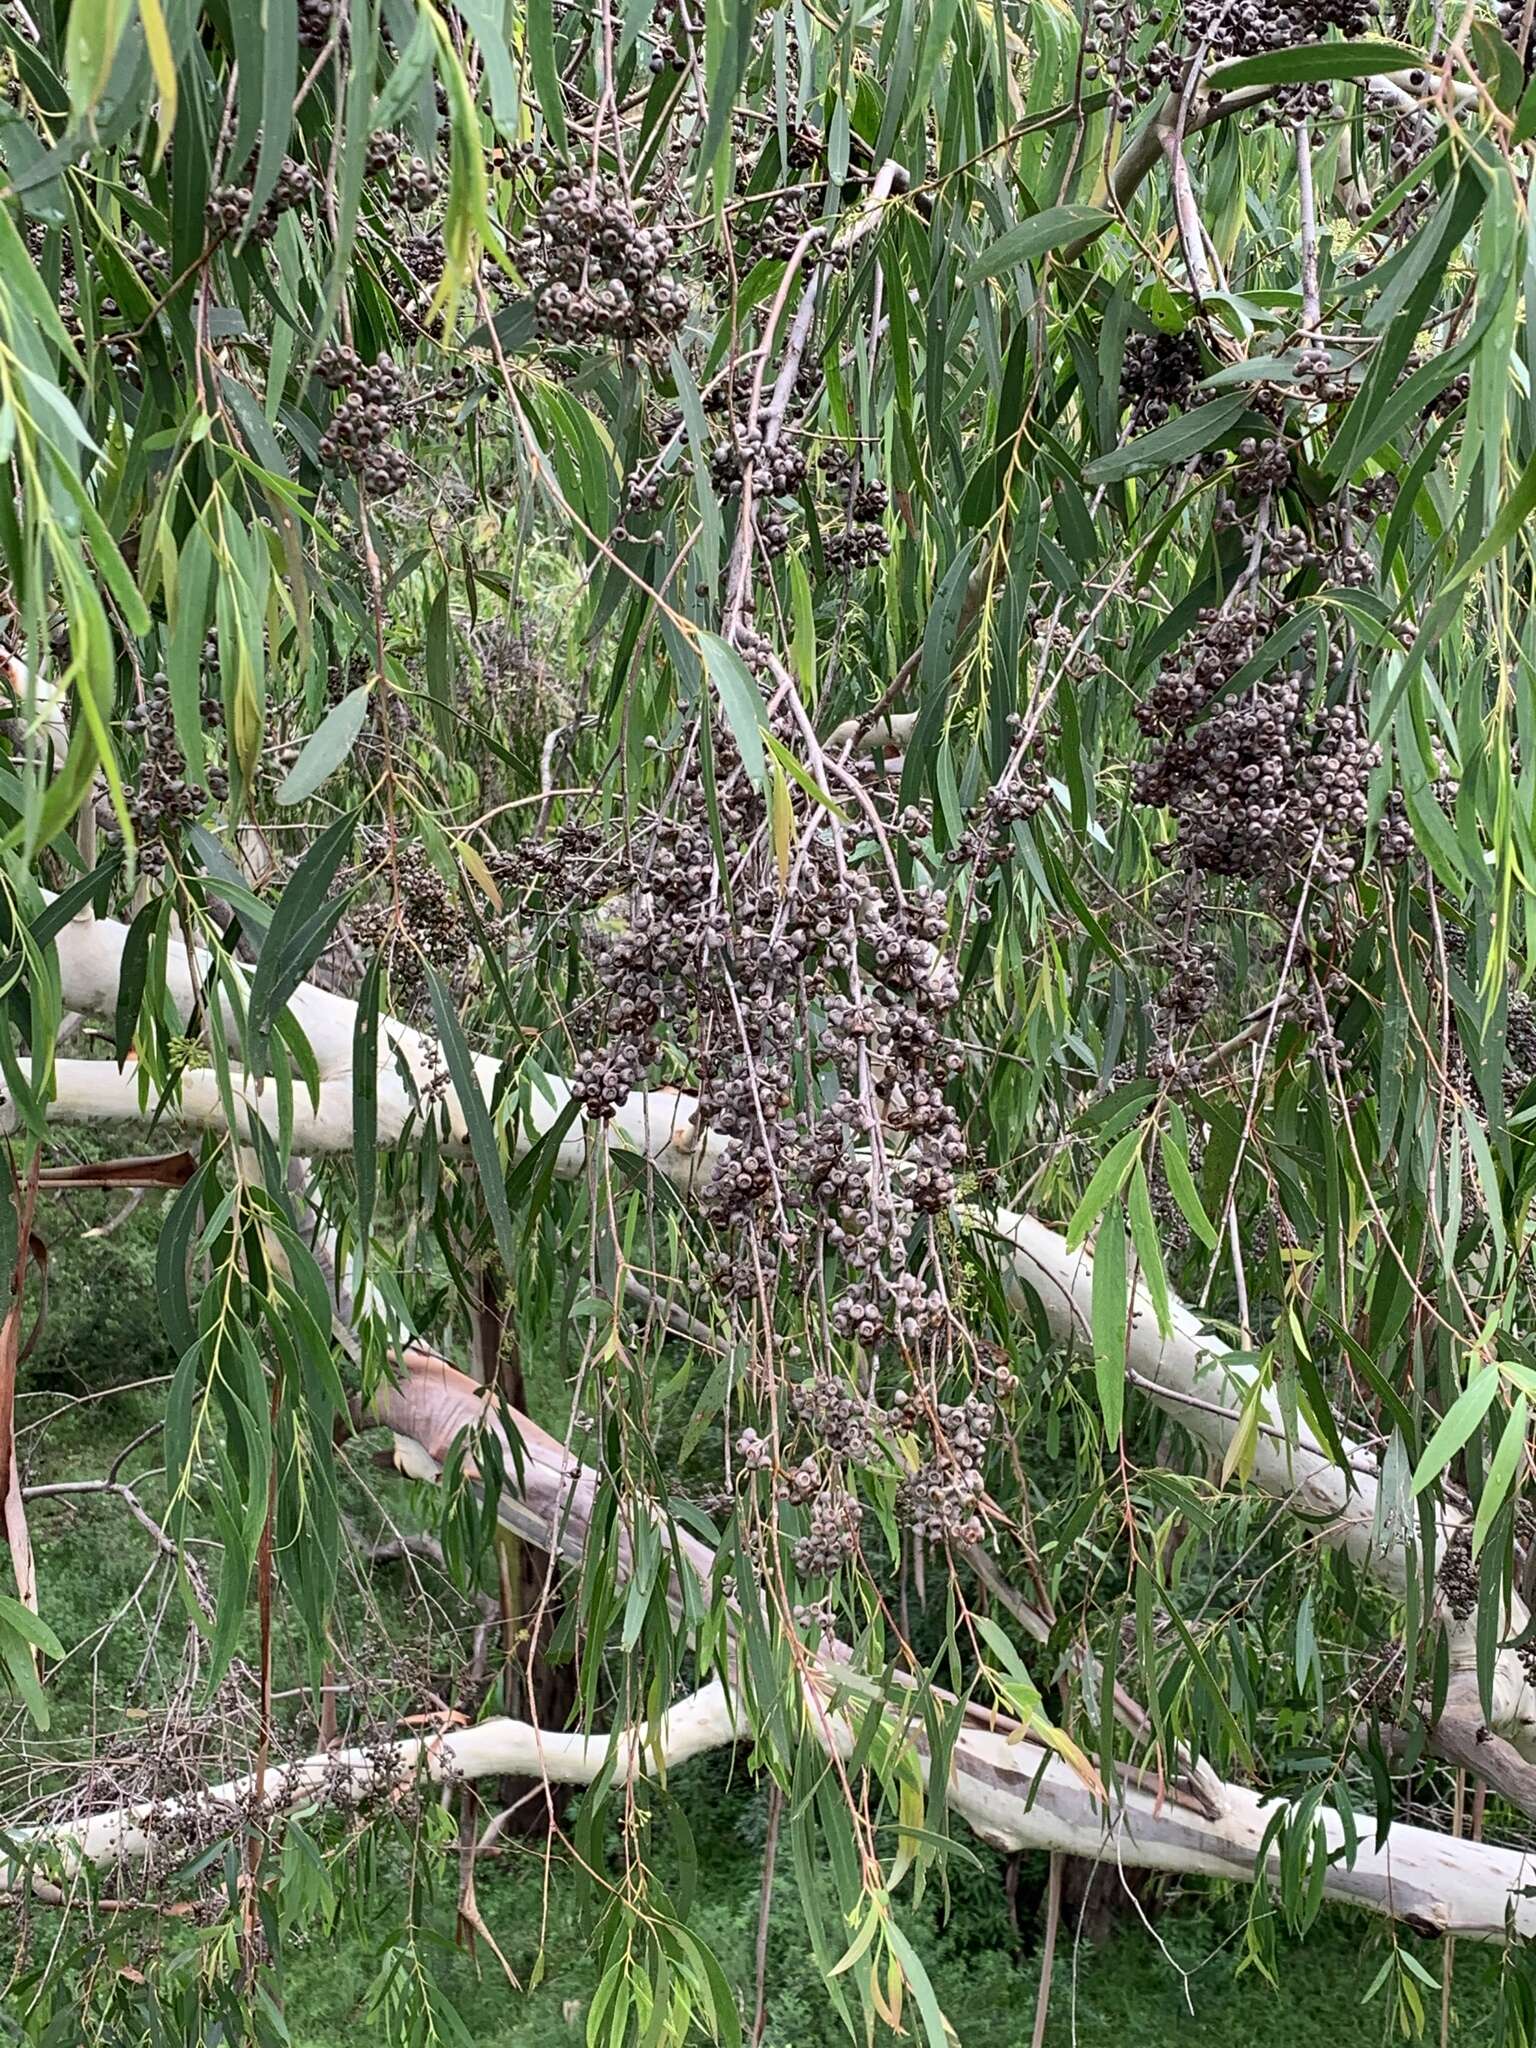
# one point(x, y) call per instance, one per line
point(823, 720)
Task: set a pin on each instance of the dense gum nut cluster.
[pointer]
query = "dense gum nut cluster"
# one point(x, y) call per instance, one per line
point(861, 540)
point(733, 992)
point(1158, 375)
point(941, 1499)
point(409, 181)
point(596, 272)
point(1456, 1575)
point(605, 1077)
point(229, 206)
point(833, 1536)
point(357, 436)
point(1259, 787)
point(1190, 986)
point(833, 1412)
point(778, 471)
point(161, 799)
point(1216, 30)
point(430, 929)
point(571, 870)
point(988, 840)
point(809, 1015)
point(425, 258)
point(777, 228)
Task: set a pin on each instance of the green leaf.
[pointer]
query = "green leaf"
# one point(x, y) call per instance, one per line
point(301, 925)
point(1365, 58)
point(17, 270)
point(1036, 237)
point(489, 27)
point(1109, 1177)
point(162, 58)
point(1169, 445)
point(132, 975)
point(365, 1095)
point(1173, 1146)
point(938, 2030)
point(1109, 1314)
point(739, 700)
point(1461, 1418)
point(439, 653)
point(327, 747)
point(18, 1661)
point(279, 36)
point(477, 1119)
point(1149, 1253)
point(540, 35)
point(1501, 1471)
point(29, 1626)
point(91, 37)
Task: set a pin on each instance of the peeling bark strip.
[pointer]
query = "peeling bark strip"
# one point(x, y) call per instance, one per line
point(13, 1512)
point(1188, 1375)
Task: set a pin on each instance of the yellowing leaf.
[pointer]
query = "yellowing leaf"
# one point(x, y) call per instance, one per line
point(163, 63)
point(783, 820)
point(484, 879)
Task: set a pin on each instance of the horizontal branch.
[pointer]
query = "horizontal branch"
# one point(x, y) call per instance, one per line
point(1010, 1792)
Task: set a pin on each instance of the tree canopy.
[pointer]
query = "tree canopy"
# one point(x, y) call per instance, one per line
point(776, 758)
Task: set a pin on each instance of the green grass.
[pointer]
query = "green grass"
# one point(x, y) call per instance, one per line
point(1180, 1984)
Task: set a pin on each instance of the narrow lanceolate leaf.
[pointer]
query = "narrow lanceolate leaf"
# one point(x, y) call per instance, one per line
point(739, 700)
point(1364, 58)
point(1461, 1418)
point(1109, 1177)
point(477, 1118)
point(326, 748)
point(1192, 433)
point(1110, 1311)
point(91, 37)
point(301, 926)
point(1149, 1251)
point(1174, 1148)
point(1501, 1472)
point(163, 62)
point(365, 1095)
point(1036, 237)
point(132, 977)
point(540, 42)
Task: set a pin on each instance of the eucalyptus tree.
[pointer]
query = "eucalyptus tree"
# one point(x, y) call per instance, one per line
point(804, 712)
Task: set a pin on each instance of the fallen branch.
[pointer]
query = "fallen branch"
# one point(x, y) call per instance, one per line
point(1013, 1794)
point(1189, 1374)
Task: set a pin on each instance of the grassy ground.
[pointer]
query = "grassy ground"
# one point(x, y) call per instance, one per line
point(1178, 1983)
point(1133, 1990)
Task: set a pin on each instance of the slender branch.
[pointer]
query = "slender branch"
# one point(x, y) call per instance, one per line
point(1311, 298)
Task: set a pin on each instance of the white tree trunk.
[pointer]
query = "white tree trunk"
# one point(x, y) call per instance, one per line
point(1189, 1374)
point(1011, 1793)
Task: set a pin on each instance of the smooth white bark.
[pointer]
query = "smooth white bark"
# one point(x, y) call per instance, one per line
point(1012, 1794)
